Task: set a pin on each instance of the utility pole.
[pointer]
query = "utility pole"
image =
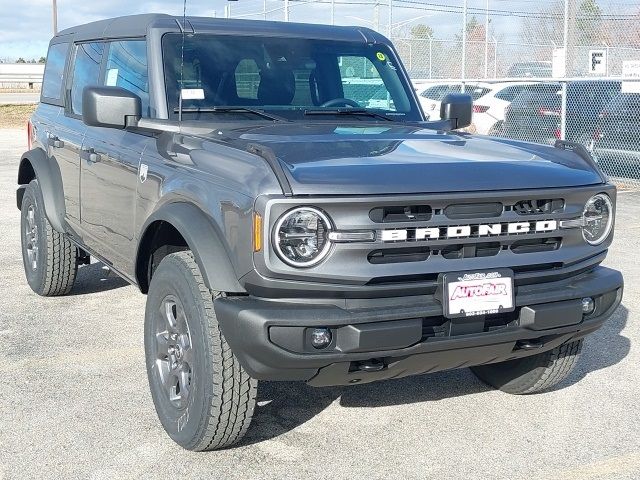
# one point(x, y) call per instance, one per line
point(464, 39)
point(486, 42)
point(390, 17)
point(286, 10)
point(333, 12)
point(264, 9)
point(55, 17)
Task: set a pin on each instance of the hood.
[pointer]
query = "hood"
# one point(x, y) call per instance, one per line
point(379, 159)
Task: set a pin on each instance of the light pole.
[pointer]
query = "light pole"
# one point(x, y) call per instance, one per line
point(486, 42)
point(55, 17)
point(286, 10)
point(464, 39)
point(390, 16)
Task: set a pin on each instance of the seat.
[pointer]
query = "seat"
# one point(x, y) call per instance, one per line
point(277, 86)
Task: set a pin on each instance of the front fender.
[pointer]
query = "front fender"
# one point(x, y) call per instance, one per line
point(49, 178)
point(205, 241)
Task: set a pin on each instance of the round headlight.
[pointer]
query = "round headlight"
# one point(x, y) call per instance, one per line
point(301, 237)
point(597, 219)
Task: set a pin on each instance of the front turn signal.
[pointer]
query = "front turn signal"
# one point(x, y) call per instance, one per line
point(257, 232)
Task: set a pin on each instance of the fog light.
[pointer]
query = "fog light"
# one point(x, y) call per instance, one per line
point(588, 305)
point(320, 337)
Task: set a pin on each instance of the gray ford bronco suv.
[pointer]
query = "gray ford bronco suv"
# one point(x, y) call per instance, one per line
point(291, 214)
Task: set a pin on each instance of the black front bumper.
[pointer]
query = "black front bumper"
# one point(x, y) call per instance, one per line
point(375, 339)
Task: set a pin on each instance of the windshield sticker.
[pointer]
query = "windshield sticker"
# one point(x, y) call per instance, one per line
point(192, 94)
point(381, 56)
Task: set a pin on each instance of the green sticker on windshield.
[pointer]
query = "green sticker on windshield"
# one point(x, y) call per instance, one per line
point(381, 56)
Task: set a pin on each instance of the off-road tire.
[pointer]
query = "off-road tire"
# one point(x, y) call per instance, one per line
point(532, 374)
point(56, 265)
point(217, 410)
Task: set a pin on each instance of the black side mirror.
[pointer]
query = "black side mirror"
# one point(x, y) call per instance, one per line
point(110, 107)
point(457, 108)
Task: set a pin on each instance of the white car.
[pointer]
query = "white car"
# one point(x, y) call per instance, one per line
point(488, 110)
point(430, 96)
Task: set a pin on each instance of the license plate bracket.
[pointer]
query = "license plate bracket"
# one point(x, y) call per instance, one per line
point(475, 293)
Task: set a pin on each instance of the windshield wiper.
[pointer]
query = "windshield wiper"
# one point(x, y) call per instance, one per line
point(348, 111)
point(225, 109)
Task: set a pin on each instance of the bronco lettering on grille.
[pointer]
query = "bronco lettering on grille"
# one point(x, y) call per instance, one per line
point(466, 231)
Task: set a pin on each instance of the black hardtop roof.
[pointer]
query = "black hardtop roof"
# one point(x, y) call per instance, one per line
point(138, 25)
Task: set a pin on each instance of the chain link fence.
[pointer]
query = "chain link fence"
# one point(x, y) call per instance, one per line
point(537, 71)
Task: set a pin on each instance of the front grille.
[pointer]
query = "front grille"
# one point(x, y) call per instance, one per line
point(465, 231)
point(538, 206)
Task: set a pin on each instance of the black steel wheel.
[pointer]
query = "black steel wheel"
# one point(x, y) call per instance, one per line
point(50, 259)
point(202, 395)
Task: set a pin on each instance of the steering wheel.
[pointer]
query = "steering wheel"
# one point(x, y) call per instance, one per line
point(336, 102)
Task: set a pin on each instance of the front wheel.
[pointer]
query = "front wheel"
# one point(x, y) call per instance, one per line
point(202, 395)
point(532, 374)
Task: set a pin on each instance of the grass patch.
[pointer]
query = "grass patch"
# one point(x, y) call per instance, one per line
point(15, 116)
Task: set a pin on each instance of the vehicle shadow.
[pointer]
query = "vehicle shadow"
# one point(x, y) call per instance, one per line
point(602, 349)
point(283, 406)
point(96, 278)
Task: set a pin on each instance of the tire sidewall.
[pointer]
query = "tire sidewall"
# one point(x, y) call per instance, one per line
point(185, 427)
point(33, 196)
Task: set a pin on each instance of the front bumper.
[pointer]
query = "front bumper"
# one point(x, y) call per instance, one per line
point(375, 339)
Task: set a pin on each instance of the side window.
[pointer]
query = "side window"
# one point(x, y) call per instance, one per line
point(508, 94)
point(247, 79)
point(54, 71)
point(127, 68)
point(86, 72)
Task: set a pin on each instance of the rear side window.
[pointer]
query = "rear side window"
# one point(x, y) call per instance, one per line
point(509, 93)
point(127, 68)
point(54, 71)
point(86, 72)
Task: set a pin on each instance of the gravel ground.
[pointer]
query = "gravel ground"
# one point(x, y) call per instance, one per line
point(76, 405)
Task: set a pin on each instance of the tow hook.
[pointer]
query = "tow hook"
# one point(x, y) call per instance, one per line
point(373, 365)
point(529, 345)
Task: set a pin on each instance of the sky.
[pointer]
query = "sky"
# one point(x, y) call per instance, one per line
point(25, 32)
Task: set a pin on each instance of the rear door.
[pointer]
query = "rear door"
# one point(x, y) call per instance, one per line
point(110, 161)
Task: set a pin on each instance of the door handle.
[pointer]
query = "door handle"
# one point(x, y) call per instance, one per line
point(91, 156)
point(55, 142)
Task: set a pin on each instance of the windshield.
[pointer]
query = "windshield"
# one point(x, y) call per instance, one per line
point(284, 76)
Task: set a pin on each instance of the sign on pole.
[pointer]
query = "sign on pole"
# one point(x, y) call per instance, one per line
point(598, 62)
point(631, 76)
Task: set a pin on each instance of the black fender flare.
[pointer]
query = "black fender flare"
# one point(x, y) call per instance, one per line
point(49, 178)
point(205, 241)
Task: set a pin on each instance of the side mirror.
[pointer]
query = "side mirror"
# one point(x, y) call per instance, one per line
point(457, 108)
point(110, 107)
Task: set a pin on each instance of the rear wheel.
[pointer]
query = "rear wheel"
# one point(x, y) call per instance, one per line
point(50, 259)
point(532, 374)
point(202, 395)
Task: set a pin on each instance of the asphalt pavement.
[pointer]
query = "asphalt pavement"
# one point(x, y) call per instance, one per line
point(19, 98)
point(75, 401)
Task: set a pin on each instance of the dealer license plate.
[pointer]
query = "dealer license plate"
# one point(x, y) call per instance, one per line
point(468, 294)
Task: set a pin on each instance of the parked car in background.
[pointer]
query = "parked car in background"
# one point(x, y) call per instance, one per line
point(488, 110)
point(616, 144)
point(530, 69)
point(431, 97)
point(535, 113)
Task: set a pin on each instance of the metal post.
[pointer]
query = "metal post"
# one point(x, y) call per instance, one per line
point(55, 17)
point(264, 10)
point(286, 10)
point(464, 39)
point(486, 42)
point(390, 18)
point(563, 113)
point(430, 57)
point(495, 57)
point(333, 12)
point(566, 37)
point(227, 11)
